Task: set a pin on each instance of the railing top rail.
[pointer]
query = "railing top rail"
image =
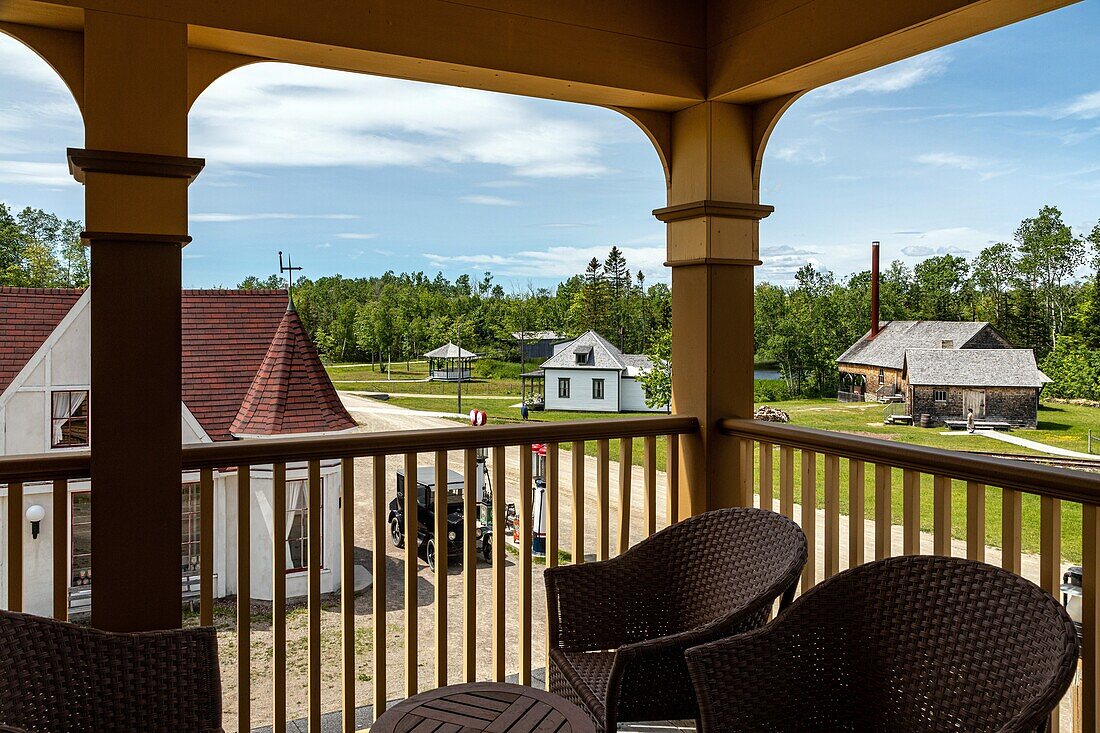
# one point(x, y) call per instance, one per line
point(260, 451)
point(1060, 483)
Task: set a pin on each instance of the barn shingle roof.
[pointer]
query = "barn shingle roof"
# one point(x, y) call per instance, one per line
point(600, 354)
point(973, 368)
point(887, 349)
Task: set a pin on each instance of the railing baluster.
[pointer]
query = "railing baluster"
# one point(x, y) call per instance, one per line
point(857, 513)
point(469, 562)
point(832, 515)
point(747, 493)
point(786, 480)
point(1050, 564)
point(499, 589)
point(244, 586)
point(975, 521)
point(941, 515)
point(206, 546)
point(766, 477)
point(15, 546)
point(576, 452)
point(61, 549)
point(412, 568)
point(649, 468)
point(1011, 515)
point(552, 520)
point(440, 531)
point(347, 590)
point(672, 479)
point(378, 585)
point(809, 517)
point(1090, 618)
point(884, 511)
point(910, 518)
point(526, 536)
point(603, 499)
point(278, 596)
point(626, 470)
point(316, 559)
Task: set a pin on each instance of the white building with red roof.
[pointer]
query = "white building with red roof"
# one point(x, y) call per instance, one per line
point(249, 371)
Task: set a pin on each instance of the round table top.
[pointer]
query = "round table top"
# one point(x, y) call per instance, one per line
point(492, 707)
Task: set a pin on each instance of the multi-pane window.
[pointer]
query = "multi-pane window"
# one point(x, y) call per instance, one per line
point(297, 524)
point(939, 395)
point(81, 527)
point(81, 520)
point(881, 377)
point(563, 388)
point(597, 389)
point(189, 559)
point(69, 418)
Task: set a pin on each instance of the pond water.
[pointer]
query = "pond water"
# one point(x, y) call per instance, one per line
point(766, 374)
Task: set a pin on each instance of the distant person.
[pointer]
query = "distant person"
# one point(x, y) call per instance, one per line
point(970, 421)
point(523, 412)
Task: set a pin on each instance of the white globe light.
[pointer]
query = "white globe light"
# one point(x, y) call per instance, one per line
point(35, 513)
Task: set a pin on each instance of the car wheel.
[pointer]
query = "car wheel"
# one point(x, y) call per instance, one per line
point(397, 534)
point(429, 554)
point(487, 549)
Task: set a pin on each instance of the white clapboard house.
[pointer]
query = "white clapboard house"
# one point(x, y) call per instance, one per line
point(589, 374)
point(249, 370)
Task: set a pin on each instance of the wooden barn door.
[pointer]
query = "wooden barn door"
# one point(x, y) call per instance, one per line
point(974, 399)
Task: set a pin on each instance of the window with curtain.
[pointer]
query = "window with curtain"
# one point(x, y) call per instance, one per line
point(189, 543)
point(597, 389)
point(69, 415)
point(297, 524)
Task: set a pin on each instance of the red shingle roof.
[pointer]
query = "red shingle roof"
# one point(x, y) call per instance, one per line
point(291, 392)
point(228, 335)
point(27, 318)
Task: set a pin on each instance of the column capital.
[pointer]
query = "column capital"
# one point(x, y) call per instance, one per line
point(712, 208)
point(83, 161)
point(177, 239)
point(713, 261)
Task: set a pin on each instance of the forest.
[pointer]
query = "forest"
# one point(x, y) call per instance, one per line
point(1040, 290)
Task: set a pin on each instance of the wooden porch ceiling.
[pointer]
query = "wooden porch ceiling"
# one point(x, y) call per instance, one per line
point(650, 54)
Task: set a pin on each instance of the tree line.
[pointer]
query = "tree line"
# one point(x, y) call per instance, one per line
point(398, 316)
point(1030, 289)
point(40, 250)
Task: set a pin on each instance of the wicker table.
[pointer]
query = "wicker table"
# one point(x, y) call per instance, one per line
point(484, 706)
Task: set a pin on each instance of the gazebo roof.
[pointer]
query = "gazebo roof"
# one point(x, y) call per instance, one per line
point(450, 351)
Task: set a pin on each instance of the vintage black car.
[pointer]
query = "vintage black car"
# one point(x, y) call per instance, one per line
point(425, 504)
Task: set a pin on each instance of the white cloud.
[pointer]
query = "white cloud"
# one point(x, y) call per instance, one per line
point(986, 168)
point(222, 217)
point(559, 261)
point(948, 240)
point(29, 173)
point(280, 115)
point(892, 78)
point(356, 235)
point(801, 151)
point(917, 250)
point(1086, 106)
point(481, 200)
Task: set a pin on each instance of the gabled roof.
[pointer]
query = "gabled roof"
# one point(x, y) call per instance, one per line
point(887, 349)
point(291, 393)
point(973, 368)
point(600, 354)
point(450, 351)
point(228, 335)
point(27, 318)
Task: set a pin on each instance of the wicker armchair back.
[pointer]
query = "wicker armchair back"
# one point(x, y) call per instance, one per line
point(913, 644)
point(60, 676)
point(619, 628)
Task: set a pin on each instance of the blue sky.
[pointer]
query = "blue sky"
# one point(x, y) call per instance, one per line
point(355, 175)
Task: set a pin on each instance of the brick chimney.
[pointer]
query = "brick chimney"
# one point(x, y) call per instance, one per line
point(874, 289)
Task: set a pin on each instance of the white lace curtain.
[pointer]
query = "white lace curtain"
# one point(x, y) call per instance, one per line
point(65, 405)
point(295, 499)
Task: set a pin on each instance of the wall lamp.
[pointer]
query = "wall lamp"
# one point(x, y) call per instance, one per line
point(35, 515)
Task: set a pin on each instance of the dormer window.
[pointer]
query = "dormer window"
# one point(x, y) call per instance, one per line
point(69, 419)
point(582, 358)
point(947, 344)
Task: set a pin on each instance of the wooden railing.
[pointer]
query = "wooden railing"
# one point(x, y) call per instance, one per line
point(872, 467)
point(310, 452)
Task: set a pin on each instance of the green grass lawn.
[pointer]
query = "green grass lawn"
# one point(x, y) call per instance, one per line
point(1060, 425)
point(490, 377)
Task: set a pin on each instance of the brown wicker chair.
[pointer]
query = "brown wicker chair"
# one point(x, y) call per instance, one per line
point(907, 645)
point(619, 628)
point(59, 676)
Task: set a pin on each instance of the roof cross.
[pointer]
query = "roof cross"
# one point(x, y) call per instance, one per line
point(289, 269)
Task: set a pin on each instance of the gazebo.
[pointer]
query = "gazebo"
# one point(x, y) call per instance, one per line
point(533, 389)
point(450, 363)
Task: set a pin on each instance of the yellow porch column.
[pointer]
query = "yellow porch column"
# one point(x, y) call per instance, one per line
point(713, 245)
point(136, 173)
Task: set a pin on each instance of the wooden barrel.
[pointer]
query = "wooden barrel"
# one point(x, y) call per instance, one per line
point(925, 420)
